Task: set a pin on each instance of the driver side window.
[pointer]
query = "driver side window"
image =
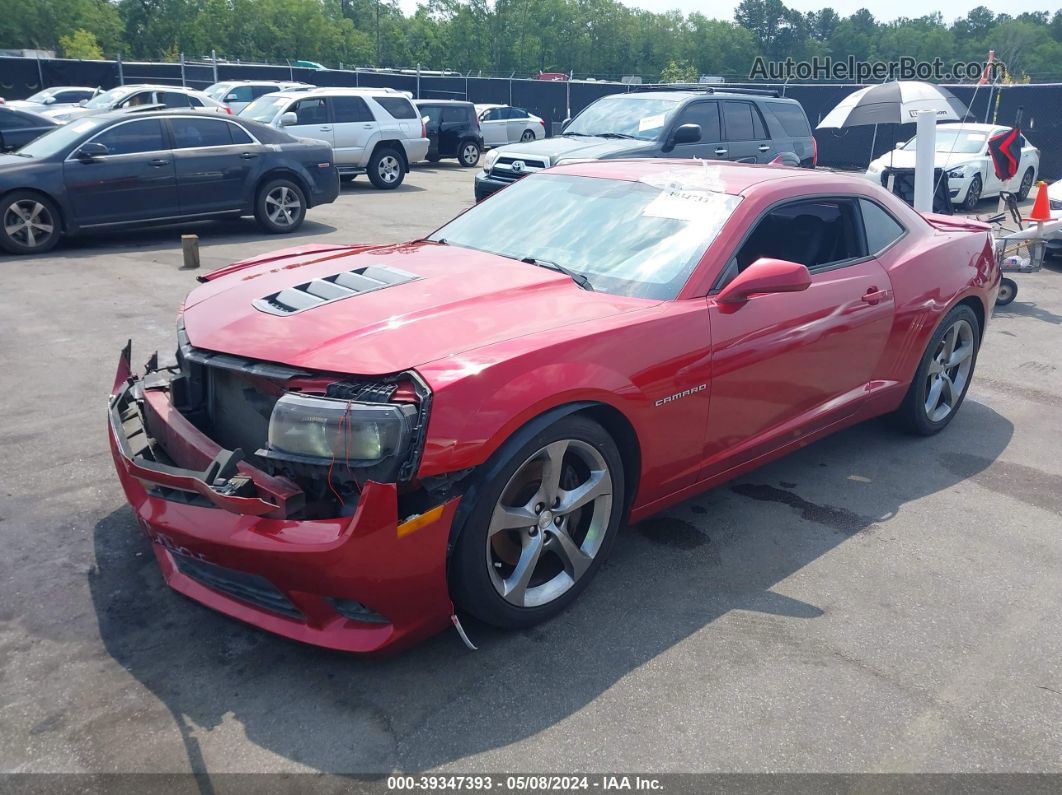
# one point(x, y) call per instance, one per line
point(819, 233)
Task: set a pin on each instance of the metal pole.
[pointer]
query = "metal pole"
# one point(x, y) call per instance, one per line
point(511, 88)
point(357, 76)
point(214, 60)
point(182, 69)
point(926, 132)
point(988, 107)
point(121, 72)
point(40, 74)
point(291, 72)
point(873, 141)
point(418, 81)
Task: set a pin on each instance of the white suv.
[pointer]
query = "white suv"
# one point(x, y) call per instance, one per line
point(374, 131)
point(238, 94)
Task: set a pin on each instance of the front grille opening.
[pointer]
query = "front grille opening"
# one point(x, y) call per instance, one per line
point(356, 611)
point(256, 591)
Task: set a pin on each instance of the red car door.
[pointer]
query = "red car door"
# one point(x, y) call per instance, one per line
point(785, 365)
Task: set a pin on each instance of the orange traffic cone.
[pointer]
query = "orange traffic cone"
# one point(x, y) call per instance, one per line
point(1041, 210)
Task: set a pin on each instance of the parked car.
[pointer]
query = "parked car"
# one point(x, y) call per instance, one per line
point(453, 130)
point(116, 170)
point(374, 131)
point(504, 124)
point(54, 98)
point(962, 152)
point(469, 418)
point(238, 94)
point(19, 127)
point(747, 126)
point(131, 96)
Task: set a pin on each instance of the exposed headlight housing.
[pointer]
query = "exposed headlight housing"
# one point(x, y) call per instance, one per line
point(957, 173)
point(374, 437)
point(490, 159)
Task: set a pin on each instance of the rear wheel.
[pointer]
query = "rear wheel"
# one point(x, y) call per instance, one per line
point(280, 206)
point(386, 168)
point(29, 223)
point(944, 374)
point(529, 135)
point(348, 178)
point(468, 154)
point(1008, 291)
point(1026, 184)
point(543, 519)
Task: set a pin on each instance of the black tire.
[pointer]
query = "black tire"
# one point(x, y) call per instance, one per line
point(387, 168)
point(528, 135)
point(347, 178)
point(34, 222)
point(280, 206)
point(1008, 291)
point(1026, 184)
point(973, 194)
point(473, 569)
point(433, 158)
point(468, 153)
point(913, 414)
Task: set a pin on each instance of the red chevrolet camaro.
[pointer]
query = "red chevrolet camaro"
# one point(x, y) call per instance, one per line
point(355, 441)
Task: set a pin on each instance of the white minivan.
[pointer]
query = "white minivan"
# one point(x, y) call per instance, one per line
point(374, 131)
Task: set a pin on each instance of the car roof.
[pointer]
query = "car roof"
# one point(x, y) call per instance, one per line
point(423, 101)
point(724, 176)
point(263, 83)
point(973, 126)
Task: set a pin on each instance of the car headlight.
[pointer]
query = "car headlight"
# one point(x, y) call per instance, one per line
point(957, 173)
point(874, 168)
point(317, 429)
point(490, 159)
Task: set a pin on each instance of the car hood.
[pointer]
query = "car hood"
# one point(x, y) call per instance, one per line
point(13, 164)
point(576, 146)
point(67, 112)
point(901, 158)
point(457, 299)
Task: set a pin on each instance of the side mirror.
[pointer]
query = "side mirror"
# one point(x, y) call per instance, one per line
point(231, 98)
point(684, 134)
point(565, 123)
point(288, 119)
point(82, 102)
point(765, 275)
point(900, 144)
point(49, 100)
point(90, 151)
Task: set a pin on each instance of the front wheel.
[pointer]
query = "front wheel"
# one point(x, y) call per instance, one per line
point(386, 170)
point(973, 193)
point(1026, 184)
point(468, 154)
point(29, 223)
point(1008, 291)
point(542, 521)
point(944, 374)
point(280, 206)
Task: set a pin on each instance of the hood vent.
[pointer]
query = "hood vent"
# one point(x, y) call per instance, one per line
point(292, 300)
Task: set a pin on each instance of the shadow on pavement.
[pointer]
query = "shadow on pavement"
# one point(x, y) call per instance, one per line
point(669, 578)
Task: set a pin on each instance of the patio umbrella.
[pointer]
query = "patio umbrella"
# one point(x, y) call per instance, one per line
point(898, 102)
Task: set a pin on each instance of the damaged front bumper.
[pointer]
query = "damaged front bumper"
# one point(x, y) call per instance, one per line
point(221, 531)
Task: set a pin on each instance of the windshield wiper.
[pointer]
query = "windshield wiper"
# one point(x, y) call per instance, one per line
point(615, 135)
point(579, 278)
point(581, 135)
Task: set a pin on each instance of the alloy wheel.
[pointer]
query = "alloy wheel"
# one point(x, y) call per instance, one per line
point(29, 223)
point(469, 154)
point(389, 168)
point(949, 371)
point(549, 523)
point(283, 205)
point(1026, 185)
point(528, 135)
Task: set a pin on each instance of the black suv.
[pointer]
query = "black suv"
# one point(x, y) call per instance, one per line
point(742, 125)
point(453, 130)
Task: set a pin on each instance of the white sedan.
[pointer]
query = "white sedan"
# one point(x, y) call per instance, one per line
point(962, 151)
point(131, 96)
point(504, 124)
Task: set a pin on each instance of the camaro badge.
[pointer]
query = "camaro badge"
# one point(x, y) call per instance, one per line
point(684, 393)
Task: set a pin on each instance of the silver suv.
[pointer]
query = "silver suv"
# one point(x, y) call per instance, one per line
point(746, 126)
point(374, 131)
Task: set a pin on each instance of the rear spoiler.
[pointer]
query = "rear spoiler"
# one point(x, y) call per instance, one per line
point(955, 223)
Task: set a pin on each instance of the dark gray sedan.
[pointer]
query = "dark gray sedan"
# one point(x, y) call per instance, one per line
point(118, 170)
point(19, 127)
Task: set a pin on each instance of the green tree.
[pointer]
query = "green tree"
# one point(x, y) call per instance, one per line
point(679, 72)
point(81, 44)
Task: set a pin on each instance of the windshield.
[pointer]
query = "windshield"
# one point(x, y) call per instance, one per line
point(40, 96)
point(59, 139)
point(626, 238)
point(637, 118)
point(963, 142)
point(264, 108)
point(218, 90)
point(107, 98)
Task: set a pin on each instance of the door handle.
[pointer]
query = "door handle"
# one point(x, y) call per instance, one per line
point(764, 147)
point(873, 295)
point(720, 151)
point(325, 129)
point(248, 155)
point(158, 162)
point(367, 126)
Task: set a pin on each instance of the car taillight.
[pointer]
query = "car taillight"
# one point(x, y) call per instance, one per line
point(228, 110)
point(423, 129)
point(814, 152)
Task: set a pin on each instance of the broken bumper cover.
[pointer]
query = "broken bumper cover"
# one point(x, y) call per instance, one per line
point(364, 583)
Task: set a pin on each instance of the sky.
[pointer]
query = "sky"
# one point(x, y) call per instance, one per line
point(883, 11)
